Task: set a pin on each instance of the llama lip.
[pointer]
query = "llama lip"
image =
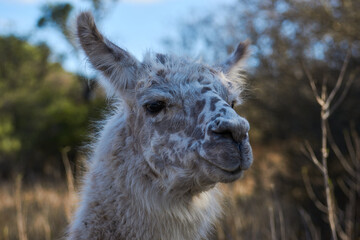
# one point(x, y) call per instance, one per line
point(246, 154)
point(233, 175)
point(244, 161)
point(234, 172)
point(234, 168)
point(226, 155)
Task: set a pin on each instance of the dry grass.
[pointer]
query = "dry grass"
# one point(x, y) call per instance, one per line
point(45, 209)
point(42, 209)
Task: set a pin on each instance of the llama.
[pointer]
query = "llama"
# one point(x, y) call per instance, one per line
point(156, 163)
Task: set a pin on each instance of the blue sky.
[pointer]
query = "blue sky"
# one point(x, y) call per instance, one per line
point(136, 25)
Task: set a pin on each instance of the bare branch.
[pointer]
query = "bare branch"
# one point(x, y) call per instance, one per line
point(310, 153)
point(282, 224)
point(343, 186)
point(350, 146)
point(315, 235)
point(278, 206)
point(341, 232)
point(313, 86)
point(343, 95)
point(339, 154)
point(324, 89)
point(350, 214)
point(356, 161)
point(356, 141)
point(330, 203)
point(340, 78)
point(272, 223)
point(311, 193)
point(349, 182)
point(326, 109)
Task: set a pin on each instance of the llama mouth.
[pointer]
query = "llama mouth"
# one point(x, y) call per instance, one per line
point(246, 154)
point(230, 176)
point(239, 164)
point(236, 171)
point(233, 169)
point(229, 157)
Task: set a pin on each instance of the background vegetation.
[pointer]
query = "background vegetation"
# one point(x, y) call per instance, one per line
point(47, 113)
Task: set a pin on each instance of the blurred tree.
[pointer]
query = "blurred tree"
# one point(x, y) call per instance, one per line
point(58, 15)
point(285, 36)
point(41, 108)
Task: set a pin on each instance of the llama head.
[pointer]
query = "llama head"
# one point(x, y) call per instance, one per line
point(180, 112)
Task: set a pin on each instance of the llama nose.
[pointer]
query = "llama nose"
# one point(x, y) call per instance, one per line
point(237, 128)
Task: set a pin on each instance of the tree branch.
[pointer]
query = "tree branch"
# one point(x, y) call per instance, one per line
point(343, 95)
point(312, 84)
point(339, 154)
point(315, 234)
point(311, 193)
point(309, 152)
point(350, 146)
point(340, 78)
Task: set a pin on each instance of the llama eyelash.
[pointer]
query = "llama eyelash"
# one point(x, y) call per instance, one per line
point(155, 107)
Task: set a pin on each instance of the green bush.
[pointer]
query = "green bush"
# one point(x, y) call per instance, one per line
point(42, 108)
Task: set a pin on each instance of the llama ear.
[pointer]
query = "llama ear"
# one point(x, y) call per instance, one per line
point(235, 59)
point(115, 63)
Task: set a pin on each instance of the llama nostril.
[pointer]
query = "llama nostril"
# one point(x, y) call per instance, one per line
point(226, 134)
point(223, 129)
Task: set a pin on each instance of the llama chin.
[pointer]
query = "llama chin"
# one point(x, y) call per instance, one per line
point(155, 166)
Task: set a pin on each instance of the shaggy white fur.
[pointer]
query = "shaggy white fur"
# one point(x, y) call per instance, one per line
point(158, 158)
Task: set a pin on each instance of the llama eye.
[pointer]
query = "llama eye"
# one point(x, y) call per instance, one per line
point(232, 104)
point(155, 107)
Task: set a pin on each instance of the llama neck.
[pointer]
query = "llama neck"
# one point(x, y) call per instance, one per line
point(119, 200)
